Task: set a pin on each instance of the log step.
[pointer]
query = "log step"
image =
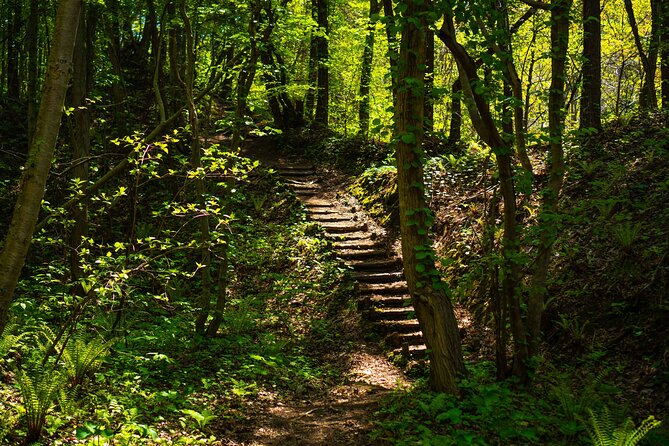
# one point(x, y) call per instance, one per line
point(398, 326)
point(411, 351)
point(360, 235)
point(378, 277)
point(358, 244)
point(384, 288)
point(385, 265)
point(398, 339)
point(396, 301)
point(296, 173)
point(333, 217)
point(393, 314)
point(318, 202)
point(345, 227)
point(359, 254)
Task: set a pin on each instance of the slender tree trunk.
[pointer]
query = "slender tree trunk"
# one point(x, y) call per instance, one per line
point(429, 80)
point(648, 95)
point(455, 129)
point(484, 123)
point(366, 69)
point(323, 92)
point(663, 12)
point(80, 123)
point(391, 37)
point(36, 171)
point(14, 52)
point(32, 35)
point(560, 10)
point(591, 91)
point(433, 307)
point(310, 99)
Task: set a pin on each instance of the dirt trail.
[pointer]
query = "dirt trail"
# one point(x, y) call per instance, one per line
point(342, 415)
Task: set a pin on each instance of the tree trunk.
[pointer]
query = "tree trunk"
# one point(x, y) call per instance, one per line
point(310, 99)
point(484, 124)
point(455, 128)
point(323, 92)
point(560, 10)
point(391, 37)
point(14, 52)
point(433, 307)
point(36, 171)
point(663, 13)
point(366, 69)
point(32, 35)
point(591, 90)
point(429, 81)
point(80, 123)
point(648, 95)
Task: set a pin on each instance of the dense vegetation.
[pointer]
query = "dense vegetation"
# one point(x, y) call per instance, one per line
point(159, 285)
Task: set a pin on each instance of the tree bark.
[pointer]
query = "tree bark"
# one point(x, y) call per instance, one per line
point(36, 171)
point(560, 10)
point(663, 13)
point(648, 95)
point(433, 307)
point(32, 35)
point(591, 90)
point(80, 123)
point(310, 99)
point(484, 124)
point(366, 69)
point(455, 126)
point(323, 91)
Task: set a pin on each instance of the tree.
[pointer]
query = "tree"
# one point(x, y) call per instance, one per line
point(433, 307)
point(323, 90)
point(366, 69)
point(36, 170)
point(591, 90)
point(648, 94)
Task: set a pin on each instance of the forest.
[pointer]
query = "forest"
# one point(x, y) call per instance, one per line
point(334, 222)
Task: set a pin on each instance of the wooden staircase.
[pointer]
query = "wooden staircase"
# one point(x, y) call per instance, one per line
point(382, 291)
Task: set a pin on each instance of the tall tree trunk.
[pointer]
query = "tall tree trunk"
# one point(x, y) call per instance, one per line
point(429, 81)
point(663, 12)
point(648, 95)
point(32, 35)
point(14, 51)
point(323, 92)
point(455, 127)
point(80, 123)
point(591, 90)
point(36, 171)
point(433, 307)
point(310, 100)
point(366, 69)
point(560, 10)
point(484, 124)
point(391, 37)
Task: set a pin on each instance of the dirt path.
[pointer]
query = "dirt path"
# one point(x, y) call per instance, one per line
point(343, 415)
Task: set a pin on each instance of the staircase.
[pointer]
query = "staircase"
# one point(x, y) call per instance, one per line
point(382, 291)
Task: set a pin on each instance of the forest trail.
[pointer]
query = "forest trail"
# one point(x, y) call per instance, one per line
point(342, 415)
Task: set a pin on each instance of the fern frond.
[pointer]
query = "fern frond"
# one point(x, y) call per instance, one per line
point(39, 389)
point(603, 431)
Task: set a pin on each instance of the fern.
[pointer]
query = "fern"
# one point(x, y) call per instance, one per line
point(603, 430)
point(39, 390)
point(8, 339)
point(82, 357)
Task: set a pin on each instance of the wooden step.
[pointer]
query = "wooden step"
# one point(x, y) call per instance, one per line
point(398, 326)
point(385, 265)
point(360, 235)
point(321, 210)
point(411, 351)
point(384, 288)
point(339, 227)
point(358, 244)
point(378, 277)
point(306, 186)
point(395, 301)
point(398, 339)
point(333, 217)
point(318, 202)
point(393, 314)
point(359, 254)
point(293, 182)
